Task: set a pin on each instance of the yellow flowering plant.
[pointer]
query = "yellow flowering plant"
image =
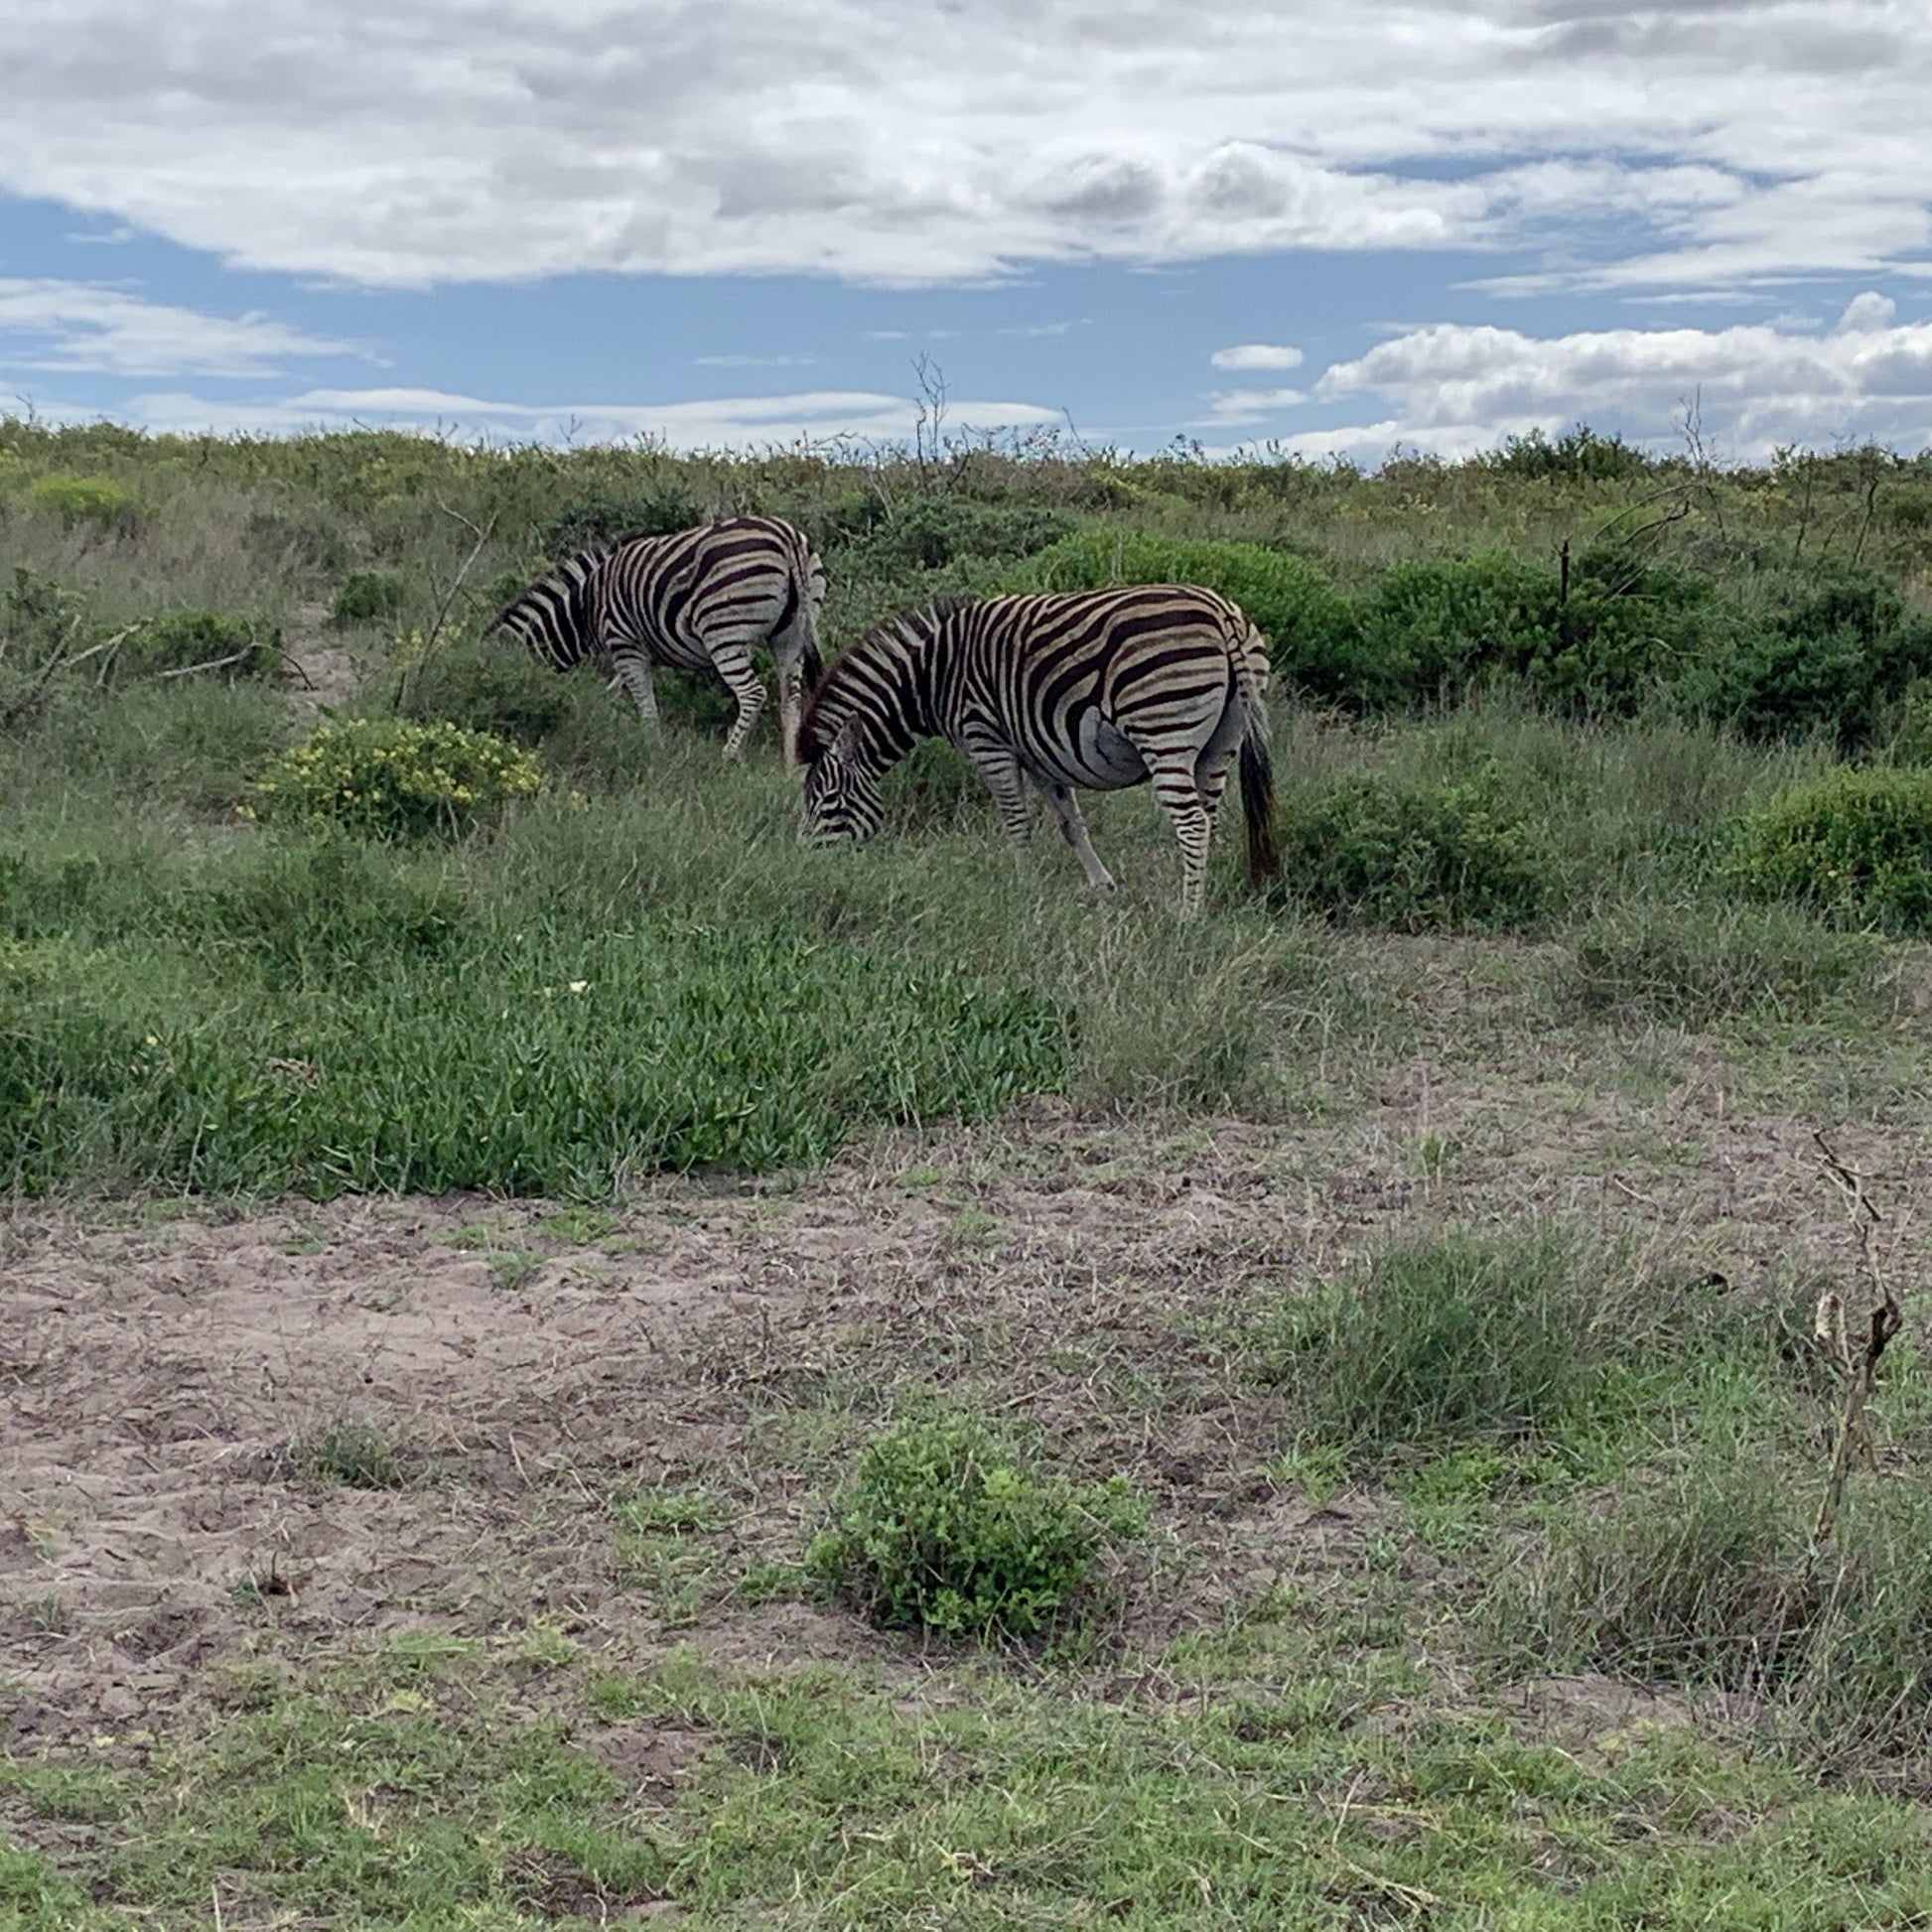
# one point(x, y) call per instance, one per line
point(387, 777)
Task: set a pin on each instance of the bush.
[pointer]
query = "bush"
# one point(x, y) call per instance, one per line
point(934, 531)
point(600, 516)
point(96, 500)
point(1416, 857)
point(189, 641)
point(1830, 656)
point(1460, 1340)
point(1432, 626)
point(1693, 964)
point(1312, 632)
point(490, 684)
point(944, 1527)
point(1854, 845)
point(368, 596)
point(387, 777)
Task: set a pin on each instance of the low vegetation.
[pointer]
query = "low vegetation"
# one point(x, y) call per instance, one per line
point(1399, 1374)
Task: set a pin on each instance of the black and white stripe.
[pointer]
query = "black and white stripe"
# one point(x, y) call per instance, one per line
point(697, 601)
point(1091, 689)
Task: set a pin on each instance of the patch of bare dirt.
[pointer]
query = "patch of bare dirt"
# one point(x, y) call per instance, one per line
point(320, 671)
point(153, 1374)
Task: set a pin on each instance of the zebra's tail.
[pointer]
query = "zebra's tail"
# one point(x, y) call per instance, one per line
point(812, 600)
point(1258, 803)
point(1257, 767)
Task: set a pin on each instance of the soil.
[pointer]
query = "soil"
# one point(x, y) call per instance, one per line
point(165, 1372)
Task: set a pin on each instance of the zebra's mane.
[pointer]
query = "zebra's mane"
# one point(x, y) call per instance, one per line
point(568, 577)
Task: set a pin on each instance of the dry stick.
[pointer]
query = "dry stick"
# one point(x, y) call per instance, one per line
point(1830, 1333)
point(213, 665)
point(450, 595)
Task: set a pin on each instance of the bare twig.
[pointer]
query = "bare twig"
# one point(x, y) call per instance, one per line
point(213, 664)
point(1858, 1374)
point(482, 534)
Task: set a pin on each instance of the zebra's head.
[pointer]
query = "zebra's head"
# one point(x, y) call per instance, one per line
point(843, 801)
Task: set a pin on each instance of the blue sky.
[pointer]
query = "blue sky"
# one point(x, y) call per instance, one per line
point(1341, 226)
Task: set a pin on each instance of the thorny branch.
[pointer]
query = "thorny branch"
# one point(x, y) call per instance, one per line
point(1831, 1332)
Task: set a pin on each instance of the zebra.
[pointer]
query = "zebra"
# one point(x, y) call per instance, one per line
point(1099, 689)
point(699, 599)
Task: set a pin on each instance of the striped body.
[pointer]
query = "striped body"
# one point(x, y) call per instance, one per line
point(700, 600)
point(1090, 690)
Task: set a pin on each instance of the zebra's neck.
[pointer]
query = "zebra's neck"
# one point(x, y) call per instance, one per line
point(886, 683)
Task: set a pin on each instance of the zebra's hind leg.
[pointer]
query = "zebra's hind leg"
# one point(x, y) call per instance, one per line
point(1180, 798)
point(634, 674)
point(734, 662)
point(1074, 829)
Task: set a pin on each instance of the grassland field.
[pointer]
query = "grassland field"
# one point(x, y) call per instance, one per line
point(457, 1285)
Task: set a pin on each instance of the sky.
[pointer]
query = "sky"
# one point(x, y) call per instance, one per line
point(1340, 228)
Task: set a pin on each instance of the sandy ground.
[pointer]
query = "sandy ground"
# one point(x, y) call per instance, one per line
point(155, 1370)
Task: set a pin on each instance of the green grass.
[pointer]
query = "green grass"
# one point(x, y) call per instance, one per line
point(1262, 1778)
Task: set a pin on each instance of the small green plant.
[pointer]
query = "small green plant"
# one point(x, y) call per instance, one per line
point(947, 1527)
point(95, 500)
point(1854, 845)
point(1693, 964)
point(368, 596)
point(668, 1512)
point(387, 777)
point(353, 1453)
point(1419, 857)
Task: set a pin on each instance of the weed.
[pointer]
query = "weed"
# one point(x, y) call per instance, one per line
point(367, 597)
point(354, 1453)
point(946, 1526)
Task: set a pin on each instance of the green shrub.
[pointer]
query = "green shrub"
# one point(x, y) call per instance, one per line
point(934, 531)
point(492, 685)
point(95, 500)
point(1829, 655)
point(601, 516)
point(1911, 738)
point(944, 1525)
point(1693, 964)
point(191, 640)
point(1578, 455)
point(368, 596)
point(1419, 857)
point(387, 777)
point(1854, 845)
point(1465, 1339)
point(1312, 630)
point(1436, 625)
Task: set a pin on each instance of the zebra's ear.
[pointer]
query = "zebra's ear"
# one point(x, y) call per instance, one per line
point(848, 738)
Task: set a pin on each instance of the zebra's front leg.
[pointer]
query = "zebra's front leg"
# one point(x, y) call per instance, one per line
point(734, 662)
point(1180, 798)
point(634, 674)
point(1073, 829)
point(1000, 770)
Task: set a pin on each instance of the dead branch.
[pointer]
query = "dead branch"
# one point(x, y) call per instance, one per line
point(1831, 1333)
point(482, 533)
point(213, 664)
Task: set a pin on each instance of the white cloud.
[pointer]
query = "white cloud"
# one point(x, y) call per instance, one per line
point(47, 325)
point(729, 422)
point(754, 361)
point(1231, 408)
point(1453, 388)
point(408, 142)
point(1257, 355)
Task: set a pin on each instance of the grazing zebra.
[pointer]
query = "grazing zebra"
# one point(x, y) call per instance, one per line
point(699, 599)
point(1098, 689)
